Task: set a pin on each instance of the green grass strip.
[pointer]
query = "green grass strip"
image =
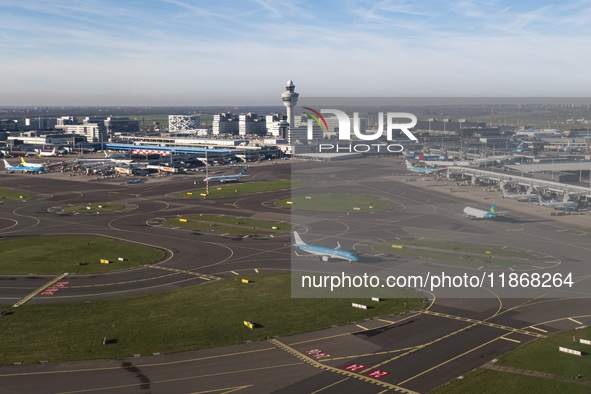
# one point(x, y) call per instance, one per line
point(56, 255)
point(196, 317)
point(217, 189)
point(334, 203)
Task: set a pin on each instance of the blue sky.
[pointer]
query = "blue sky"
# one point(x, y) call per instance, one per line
point(182, 52)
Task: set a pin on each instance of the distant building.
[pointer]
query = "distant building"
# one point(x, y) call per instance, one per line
point(94, 132)
point(183, 123)
point(124, 126)
point(65, 121)
point(8, 125)
point(225, 123)
point(251, 124)
point(277, 125)
point(37, 123)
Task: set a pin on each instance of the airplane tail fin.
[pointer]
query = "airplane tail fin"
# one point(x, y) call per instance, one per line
point(492, 209)
point(408, 166)
point(6, 164)
point(23, 161)
point(422, 157)
point(298, 240)
point(567, 150)
point(243, 172)
point(505, 194)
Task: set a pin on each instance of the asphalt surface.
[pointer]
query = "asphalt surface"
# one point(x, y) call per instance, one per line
point(418, 351)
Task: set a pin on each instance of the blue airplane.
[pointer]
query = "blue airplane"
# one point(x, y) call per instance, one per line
point(31, 169)
point(323, 253)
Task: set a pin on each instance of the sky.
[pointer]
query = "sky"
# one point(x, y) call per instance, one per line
point(183, 52)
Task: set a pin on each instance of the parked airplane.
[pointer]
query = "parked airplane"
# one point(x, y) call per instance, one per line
point(118, 156)
point(475, 213)
point(43, 153)
point(8, 167)
point(519, 197)
point(519, 148)
point(323, 253)
point(423, 170)
point(568, 205)
point(226, 178)
point(42, 167)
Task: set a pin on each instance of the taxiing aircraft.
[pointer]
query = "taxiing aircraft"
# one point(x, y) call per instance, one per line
point(323, 253)
point(23, 168)
point(423, 170)
point(519, 197)
point(475, 213)
point(226, 178)
point(567, 205)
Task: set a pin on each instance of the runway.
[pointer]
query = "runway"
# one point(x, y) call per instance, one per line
point(415, 352)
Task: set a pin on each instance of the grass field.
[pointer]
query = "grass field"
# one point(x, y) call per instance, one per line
point(458, 253)
point(229, 224)
point(335, 203)
point(541, 355)
point(232, 189)
point(56, 255)
point(202, 316)
point(486, 381)
point(218, 228)
point(467, 249)
point(12, 195)
point(94, 208)
point(242, 222)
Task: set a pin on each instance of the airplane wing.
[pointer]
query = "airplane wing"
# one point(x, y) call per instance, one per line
point(306, 255)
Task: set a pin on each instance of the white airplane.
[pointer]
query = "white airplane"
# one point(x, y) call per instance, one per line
point(568, 205)
point(323, 253)
point(519, 197)
point(423, 170)
point(43, 153)
point(22, 168)
point(226, 178)
point(475, 213)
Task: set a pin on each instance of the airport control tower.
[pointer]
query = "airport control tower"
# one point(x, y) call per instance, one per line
point(290, 99)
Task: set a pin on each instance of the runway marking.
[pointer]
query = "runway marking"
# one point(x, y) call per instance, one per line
point(363, 328)
point(369, 354)
point(225, 390)
point(256, 270)
point(39, 290)
point(485, 323)
point(138, 366)
point(316, 364)
point(349, 333)
point(179, 379)
point(450, 360)
point(234, 272)
point(330, 385)
point(202, 276)
point(573, 320)
point(509, 339)
point(536, 328)
point(386, 321)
